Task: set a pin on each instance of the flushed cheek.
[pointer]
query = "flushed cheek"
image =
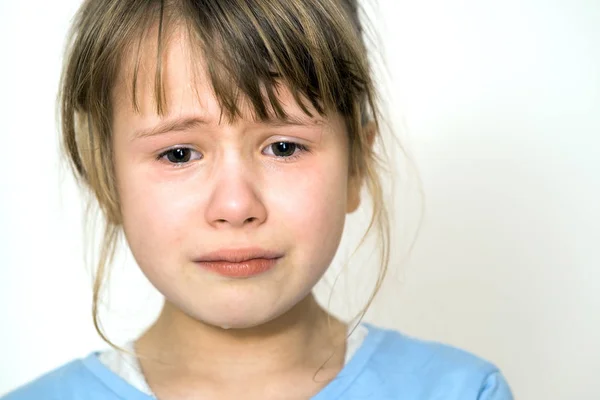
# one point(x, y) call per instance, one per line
point(312, 210)
point(156, 220)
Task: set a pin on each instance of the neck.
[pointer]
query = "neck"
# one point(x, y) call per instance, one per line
point(304, 337)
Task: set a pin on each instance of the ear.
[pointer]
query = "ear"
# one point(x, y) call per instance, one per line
point(355, 182)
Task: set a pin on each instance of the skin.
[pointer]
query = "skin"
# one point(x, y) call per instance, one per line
point(216, 337)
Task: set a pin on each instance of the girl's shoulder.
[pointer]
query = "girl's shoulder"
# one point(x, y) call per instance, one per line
point(52, 384)
point(410, 354)
point(420, 369)
point(78, 379)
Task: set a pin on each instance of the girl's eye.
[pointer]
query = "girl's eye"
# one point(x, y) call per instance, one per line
point(179, 155)
point(285, 149)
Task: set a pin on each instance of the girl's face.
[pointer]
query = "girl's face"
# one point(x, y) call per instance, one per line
point(191, 185)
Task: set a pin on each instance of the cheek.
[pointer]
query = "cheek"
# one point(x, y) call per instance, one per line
point(155, 217)
point(312, 207)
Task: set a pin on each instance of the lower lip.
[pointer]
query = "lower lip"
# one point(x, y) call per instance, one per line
point(243, 269)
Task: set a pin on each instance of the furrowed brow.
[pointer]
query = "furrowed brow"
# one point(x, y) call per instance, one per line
point(177, 124)
point(187, 123)
point(292, 120)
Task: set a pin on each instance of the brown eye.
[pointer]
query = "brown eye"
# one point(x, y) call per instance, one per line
point(283, 149)
point(179, 155)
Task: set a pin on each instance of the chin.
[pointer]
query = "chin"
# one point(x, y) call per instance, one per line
point(236, 320)
point(236, 305)
point(250, 313)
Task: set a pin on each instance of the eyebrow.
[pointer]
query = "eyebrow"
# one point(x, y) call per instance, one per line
point(172, 125)
point(187, 123)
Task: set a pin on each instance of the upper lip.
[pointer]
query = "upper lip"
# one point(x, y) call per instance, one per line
point(238, 255)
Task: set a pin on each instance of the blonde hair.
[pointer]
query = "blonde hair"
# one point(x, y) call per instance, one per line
point(315, 47)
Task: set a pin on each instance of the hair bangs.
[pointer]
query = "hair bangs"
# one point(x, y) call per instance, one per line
point(250, 49)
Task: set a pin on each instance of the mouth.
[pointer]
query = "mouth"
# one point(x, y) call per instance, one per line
point(239, 263)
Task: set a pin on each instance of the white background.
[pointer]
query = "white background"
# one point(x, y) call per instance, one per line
point(502, 104)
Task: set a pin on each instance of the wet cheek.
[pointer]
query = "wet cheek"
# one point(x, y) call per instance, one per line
point(313, 208)
point(154, 219)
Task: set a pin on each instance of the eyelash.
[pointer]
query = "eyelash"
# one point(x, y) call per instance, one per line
point(299, 147)
point(164, 154)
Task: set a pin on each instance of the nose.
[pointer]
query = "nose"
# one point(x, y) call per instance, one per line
point(235, 201)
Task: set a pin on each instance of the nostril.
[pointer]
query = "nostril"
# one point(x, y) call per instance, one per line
point(250, 220)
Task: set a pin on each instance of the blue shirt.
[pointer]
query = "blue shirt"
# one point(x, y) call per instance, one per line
point(388, 365)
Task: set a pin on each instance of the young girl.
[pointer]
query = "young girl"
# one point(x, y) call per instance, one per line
point(227, 140)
